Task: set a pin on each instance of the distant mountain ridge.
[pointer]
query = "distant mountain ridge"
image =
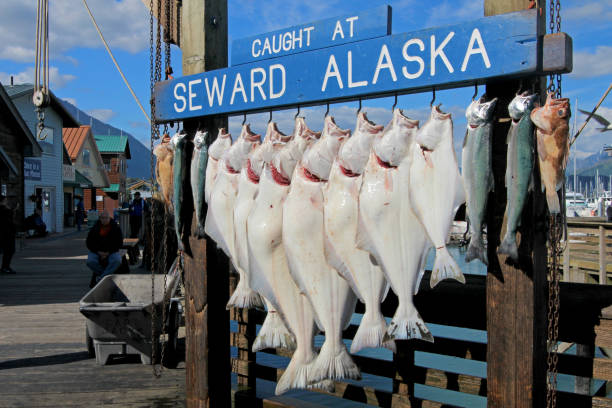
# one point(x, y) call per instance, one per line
point(586, 167)
point(139, 164)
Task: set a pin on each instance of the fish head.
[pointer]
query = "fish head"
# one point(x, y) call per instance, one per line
point(177, 139)
point(480, 112)
point(303, 136)
point(200, 139)
point(221, 144)
point(319, 157)
point(237, 154)
point(162, 150)
point(438, 128)
point(275, 135)
point(554, 113)
point(521, 104)
point(354, 153)
point(396, 138)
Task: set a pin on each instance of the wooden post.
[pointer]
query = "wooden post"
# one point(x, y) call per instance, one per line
point(603, 279)
point(516, 294)
point(204, 46)
point(566, 260)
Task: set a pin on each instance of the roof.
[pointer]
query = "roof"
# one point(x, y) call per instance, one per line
point(5, 98)
point(114, 188)
point(15, 91)
point(79, 181)
point(113, 144)
point(9, 163)
point(74, 139)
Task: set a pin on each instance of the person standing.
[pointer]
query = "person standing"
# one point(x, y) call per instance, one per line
point(103, 242)
point(79, 213)
point(609, 212)
point(7, 238)
point(136, 209)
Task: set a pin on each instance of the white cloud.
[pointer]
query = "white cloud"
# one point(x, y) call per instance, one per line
point(591, 139)
point(102, 114)
point(71, 101)
point(56, 80)
point(124, 24)
point(589, 65)
point(452, 13)
point(589, 11)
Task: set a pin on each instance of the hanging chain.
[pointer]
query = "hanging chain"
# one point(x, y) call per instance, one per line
point(555, 27)
point(555, 234)
point(168, 39)
point(40, 94)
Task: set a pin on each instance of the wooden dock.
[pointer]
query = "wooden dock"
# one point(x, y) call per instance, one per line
point(588, 253)
point(43, 358)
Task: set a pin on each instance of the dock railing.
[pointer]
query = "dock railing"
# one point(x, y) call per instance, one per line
point(588, 253)
point(452, 370)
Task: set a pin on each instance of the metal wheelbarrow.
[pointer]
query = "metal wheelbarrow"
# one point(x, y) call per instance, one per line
point(119, 316)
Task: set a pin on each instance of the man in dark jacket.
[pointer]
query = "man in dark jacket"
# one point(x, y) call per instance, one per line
point(136, 210)
point(103, 242)
point(7, 237)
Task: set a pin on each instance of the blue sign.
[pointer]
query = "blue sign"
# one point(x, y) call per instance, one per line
point(307, 37)
point(442, 57)
point(32, 169)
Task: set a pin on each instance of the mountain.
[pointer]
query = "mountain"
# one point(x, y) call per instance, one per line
point(139, 164)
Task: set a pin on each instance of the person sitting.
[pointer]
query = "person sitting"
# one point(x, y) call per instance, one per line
point(35, 222)
point(103, 242)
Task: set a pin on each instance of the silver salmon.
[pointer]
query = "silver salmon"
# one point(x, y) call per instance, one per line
point(199, 160)
point(179, 170)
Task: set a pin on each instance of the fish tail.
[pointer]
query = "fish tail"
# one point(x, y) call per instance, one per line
point(200, 231)
point(296, 377)
point(405, 326)
point(445, 267)
point(273, 334)
point(509, 247)
point(553, 201)
point(245, 298)
point(476, 250)
point(371, 333)
point(334, 362)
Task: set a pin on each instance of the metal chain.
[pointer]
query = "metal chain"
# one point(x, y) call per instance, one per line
point(556, 223)
point(555, 27)
point(168, 39)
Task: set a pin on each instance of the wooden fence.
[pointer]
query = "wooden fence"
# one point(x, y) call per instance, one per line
point(585, 320)
point(588, 254)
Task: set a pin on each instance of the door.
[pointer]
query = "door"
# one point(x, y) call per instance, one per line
point(48, 208)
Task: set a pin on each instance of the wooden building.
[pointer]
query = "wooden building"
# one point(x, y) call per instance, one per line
point(87, 161)
point(115, 151)
point(16, 142)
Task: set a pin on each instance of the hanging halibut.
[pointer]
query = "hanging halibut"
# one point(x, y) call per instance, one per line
point(436, 189)
point(552, 122)
point(220, 216)
point(304, 241)
point(388, 228)
point(476, 160)
point(341, 201)
point(519, 168)
point(248, 186)
point(215, 152)
point(269, 270)
point(179, 175)
point(273, 332)
point(199, 160)
point(164, 153)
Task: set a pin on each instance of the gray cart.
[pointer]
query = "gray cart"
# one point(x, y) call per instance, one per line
point(118, 311)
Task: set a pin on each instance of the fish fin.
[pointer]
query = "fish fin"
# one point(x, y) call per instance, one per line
point(476, 250)
point(403, 327)
point(445, 267)
point(552, 199)
point(334, 260)
point(334, 362)
point(245, 298)
point(371, 333)
point(273, 334)
point(296, 377)
point(509, 247)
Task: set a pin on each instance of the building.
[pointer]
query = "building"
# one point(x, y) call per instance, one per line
point(16, 142)
point(115, 151)
point(87, 161)
point(43, 176)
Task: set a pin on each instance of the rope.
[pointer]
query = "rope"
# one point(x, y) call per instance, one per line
point(93, 20)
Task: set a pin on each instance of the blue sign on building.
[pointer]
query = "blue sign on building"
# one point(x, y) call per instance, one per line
point(307, 37)
point(32, 169)
point(450, 56)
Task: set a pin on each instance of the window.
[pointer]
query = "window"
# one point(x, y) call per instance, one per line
point(107, 165)
point(86, 155)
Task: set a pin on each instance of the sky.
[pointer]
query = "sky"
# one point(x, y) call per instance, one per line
point(82, 73)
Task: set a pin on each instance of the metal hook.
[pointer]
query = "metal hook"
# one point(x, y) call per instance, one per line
point(327, 111)
point(475, 91)
point(359, 109)
point(394, 104)
point(434, 97)
point(297, 113)
point(244, 119)
point(270, 120)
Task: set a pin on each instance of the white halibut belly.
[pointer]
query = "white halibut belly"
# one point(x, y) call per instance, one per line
point(211, 174)
point(220, 215)
point(245, 201)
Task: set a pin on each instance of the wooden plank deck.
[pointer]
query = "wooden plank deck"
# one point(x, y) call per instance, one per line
point(43, 358)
